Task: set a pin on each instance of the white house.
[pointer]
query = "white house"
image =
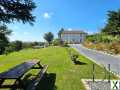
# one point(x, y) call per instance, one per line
point(73, 36)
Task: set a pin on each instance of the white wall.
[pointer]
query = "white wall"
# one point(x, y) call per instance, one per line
point(76, 38)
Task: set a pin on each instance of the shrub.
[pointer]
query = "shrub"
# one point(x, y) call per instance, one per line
point(27, 45)
point(8, 50)
point(101, 46)
point(56, 42)
point(73, 54)
point(89, 44)
point(16, 45)
point(74, 57)
point(103, 42)
point(65, 44)
point(115, 47)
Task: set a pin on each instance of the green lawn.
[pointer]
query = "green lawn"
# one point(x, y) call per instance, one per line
point(62, 73)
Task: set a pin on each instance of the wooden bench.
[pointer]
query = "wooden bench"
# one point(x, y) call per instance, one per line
point(17, 73)
point(36, 81)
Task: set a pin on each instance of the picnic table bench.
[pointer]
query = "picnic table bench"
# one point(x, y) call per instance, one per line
point(18, 71)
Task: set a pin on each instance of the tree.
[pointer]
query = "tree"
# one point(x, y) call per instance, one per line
point(113, 25)
point(19, 10)
point(4, 32)
point(35, 43)
point(48, 37)
point(17, 45)
point(60, 32)
point(56, 42)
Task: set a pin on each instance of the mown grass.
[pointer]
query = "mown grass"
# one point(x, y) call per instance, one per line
point(63, 74)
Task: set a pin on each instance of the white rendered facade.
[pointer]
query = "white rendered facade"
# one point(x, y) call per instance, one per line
point(73, 36)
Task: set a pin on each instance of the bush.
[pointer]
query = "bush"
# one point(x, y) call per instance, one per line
point(17, 45)
point(65, 44)
point(73, 54)
point(103, 42)
point(89, 44)
point(56, 42)
point(74, 57)
point(13, 46)
point(101, 46)
point(8, 50)
point(115, 47)
point(27, 45)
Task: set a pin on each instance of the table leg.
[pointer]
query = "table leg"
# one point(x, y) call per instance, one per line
point(1, 81)
point(40, 66)
point(19, 83)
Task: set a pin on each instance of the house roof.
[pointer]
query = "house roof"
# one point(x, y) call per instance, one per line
point(73, 32)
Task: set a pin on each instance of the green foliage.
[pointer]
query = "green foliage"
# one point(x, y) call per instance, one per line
point(27, 45)
point(17, 45)
point(73, 54)
point(74, 57)
point(49, 37)
point(113, 25)
point(9, 49)
point(65, 44)
point(56, 42)
point(19, 10)
point(4, 32)
point(32, 44)
point(114, 48)
point(14, 46)
point(103, 42)
point(60, 32)
point(35, 43)
point(102, 38)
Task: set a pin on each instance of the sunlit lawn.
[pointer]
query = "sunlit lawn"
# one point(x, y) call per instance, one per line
point(66, 75)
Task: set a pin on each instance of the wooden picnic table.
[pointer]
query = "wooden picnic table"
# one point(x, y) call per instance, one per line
point(18, 71)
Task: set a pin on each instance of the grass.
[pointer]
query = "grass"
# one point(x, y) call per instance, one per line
point(62, 73)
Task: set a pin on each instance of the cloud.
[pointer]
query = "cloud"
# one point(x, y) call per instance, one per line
point(69, 29)
point(14, 33)
point(26, 33)
point(47, 15)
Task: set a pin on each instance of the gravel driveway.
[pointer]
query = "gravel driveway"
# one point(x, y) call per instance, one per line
point(99, 58)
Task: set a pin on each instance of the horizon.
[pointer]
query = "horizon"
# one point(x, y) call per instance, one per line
point(51, 17)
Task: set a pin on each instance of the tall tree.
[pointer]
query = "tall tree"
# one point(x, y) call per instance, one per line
point(19, 10)
point(60, 32)
point(4, 32)
point(49, 37)
point(113, 25)
point(17, 45)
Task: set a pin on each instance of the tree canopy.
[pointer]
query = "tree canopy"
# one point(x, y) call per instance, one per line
point(4, 32)
point(19, 10)
point(59, 33)
point(48, 37)
point(113, 25)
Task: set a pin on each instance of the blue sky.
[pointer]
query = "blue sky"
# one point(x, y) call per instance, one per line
point(51, 15)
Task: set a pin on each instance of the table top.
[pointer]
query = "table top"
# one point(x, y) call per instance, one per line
point(19, 70)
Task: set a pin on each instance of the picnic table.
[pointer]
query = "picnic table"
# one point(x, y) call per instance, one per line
point(18, 72)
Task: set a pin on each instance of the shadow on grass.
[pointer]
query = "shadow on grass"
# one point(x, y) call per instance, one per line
point(48, 82)
point(79, 63)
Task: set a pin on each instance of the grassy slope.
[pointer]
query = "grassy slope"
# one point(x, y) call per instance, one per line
point(68, 75)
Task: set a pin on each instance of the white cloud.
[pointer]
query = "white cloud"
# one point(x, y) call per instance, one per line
point(26, 33)
point(69, 29)
point(14, 33)
point(47, 15)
